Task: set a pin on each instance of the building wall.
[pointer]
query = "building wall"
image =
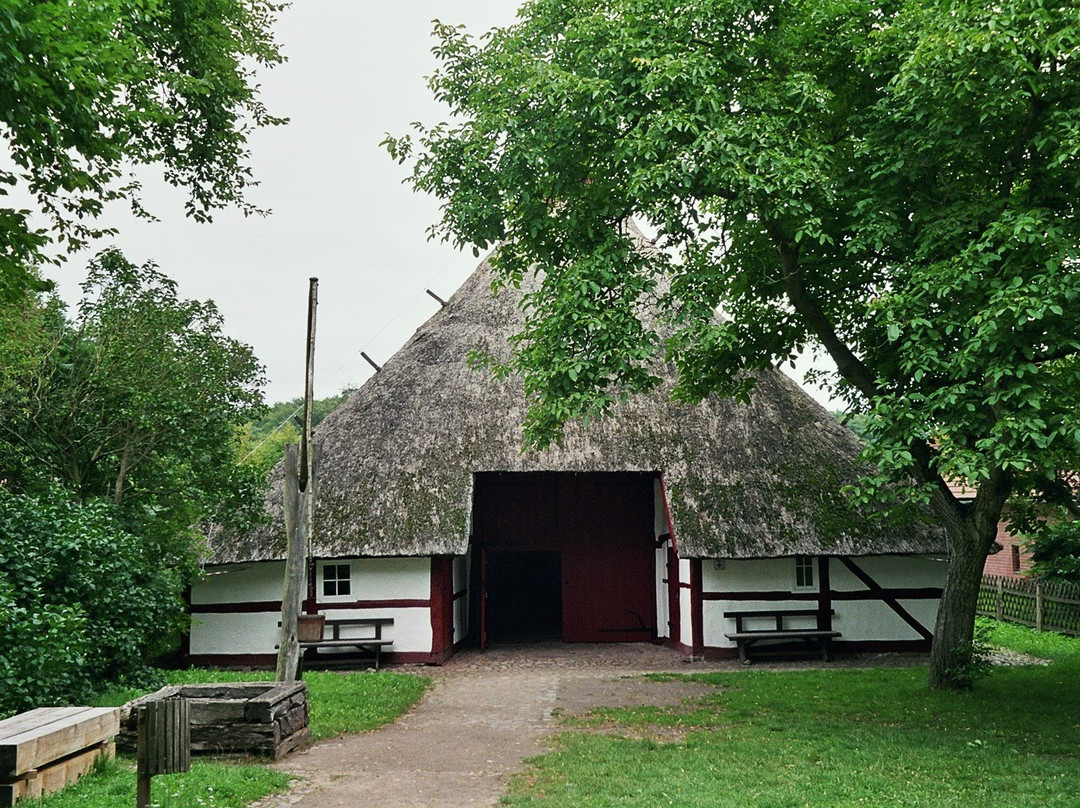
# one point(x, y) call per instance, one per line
point(860, 615)
point(237, 608)
point(686, 625)
point(1012, 561)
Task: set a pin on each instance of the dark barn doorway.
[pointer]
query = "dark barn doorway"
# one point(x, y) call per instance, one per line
point(524, 595)
point(564, 555)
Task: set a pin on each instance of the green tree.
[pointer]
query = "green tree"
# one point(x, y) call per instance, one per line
point(138, 399)
point(89, 91)
point(893, 182)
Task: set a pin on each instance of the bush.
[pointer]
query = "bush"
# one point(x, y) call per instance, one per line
point(83, 602)
point(1055, 552)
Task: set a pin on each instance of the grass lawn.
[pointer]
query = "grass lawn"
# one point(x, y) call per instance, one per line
point(835, 738)
point(340, 703)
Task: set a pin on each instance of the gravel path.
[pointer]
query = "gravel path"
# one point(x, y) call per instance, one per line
point(485, 714)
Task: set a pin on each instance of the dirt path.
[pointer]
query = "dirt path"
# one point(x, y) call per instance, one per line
point(485, 714)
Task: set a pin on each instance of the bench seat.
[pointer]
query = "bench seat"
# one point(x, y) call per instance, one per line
point(746, 638)
point(373, 644)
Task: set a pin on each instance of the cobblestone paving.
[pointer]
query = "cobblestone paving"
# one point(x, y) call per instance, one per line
point(486, 713)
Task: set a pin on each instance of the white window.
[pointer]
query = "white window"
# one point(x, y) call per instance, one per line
point(336, 579)
point(804, 572)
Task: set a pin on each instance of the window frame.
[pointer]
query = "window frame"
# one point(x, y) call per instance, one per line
point(339, 584)
point(804, 574)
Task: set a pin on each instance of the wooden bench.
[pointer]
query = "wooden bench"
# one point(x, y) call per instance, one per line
point(43, 750)
point(821, 636)
point(372, 644)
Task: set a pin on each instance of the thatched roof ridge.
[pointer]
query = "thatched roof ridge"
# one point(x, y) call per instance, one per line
point(743, 481)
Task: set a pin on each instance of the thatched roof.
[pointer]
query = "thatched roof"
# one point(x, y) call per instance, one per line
point(743, 481)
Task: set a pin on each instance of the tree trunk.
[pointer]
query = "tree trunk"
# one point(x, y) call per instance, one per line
point(971, 529)
point(952, 656)
point(121, 475)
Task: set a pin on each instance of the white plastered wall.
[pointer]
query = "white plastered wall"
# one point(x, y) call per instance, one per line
point(874, 620)
point(686, 622)
point(371, 579)
point(237, 632)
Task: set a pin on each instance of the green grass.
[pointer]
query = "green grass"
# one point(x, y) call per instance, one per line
point(340, 703)
point(207, 785)
point(834, 738)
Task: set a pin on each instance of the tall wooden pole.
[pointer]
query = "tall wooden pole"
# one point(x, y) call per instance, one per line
point(299, 506)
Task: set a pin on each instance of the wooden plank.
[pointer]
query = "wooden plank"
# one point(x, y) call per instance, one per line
point(54, 777)
point(269, 705)
point(348, 643)
point(32, 718)
point(35, 747)
point(779, 635)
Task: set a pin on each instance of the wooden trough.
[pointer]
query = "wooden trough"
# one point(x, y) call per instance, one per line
point(43, 750)
point(264, 719)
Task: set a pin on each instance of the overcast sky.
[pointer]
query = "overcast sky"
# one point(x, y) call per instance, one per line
point(356, 70)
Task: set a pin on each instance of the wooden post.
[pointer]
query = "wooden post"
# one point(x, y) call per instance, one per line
point(288, 646)
point(1038, 606)
point(299, 506)
point(999, 599)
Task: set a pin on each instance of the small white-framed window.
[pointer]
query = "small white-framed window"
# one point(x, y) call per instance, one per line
point(804, 572)
point(336, 579)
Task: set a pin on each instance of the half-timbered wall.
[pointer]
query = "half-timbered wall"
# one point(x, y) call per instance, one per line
point(237, 607)
point(877, 600)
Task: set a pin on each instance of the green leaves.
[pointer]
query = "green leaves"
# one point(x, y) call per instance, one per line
point(82, 601)
point(138, 398)
point(895, 183)
point(90, 90)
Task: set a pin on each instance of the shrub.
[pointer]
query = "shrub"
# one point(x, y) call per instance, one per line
point(1055, 552)
point(83, 602)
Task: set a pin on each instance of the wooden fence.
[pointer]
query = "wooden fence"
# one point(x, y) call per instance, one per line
point(1045, 606)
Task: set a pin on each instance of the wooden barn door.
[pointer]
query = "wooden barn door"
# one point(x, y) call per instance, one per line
point(574, 548)
point(609, 559)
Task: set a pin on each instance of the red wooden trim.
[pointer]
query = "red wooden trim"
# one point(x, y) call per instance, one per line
point(379, 604)
point(697, 608)
point(275, 606)
point(442, 604)
point(256, 661)
point(853, 647)
point(236, 608)
point(925, 593)
point(825, 609)
point(671, 560)
point(667, 511)
point(268, 661)
point(886, 596)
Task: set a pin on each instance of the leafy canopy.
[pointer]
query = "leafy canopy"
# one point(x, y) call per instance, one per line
point(894, 183)
point(88, 91)
point(138, 399)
